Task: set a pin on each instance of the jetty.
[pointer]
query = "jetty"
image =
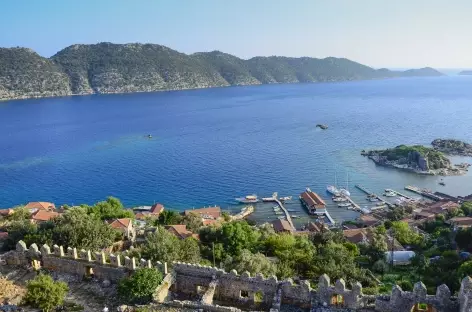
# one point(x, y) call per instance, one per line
point(246, 211)
point(356, 206)
point(372, 194)
point(424, 193)
point(276, 200)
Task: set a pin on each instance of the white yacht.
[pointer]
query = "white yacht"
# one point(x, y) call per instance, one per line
point(344, 205)
point(339, 199)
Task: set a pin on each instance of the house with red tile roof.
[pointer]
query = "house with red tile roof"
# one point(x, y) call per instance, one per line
point(368, 220)
point(312, 201)
point(34, 206)
point(181, 231)
point(282, 226)
point(156, 209)
point(460, 222)
point(124, 225)
point(441, 207)
point(209, 215)
point(316, 227)
point(43, 216)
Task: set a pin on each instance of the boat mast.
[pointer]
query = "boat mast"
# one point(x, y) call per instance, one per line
point(347, 180)
point(335, 179)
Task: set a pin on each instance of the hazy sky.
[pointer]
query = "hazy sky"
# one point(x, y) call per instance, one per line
point(379, 33)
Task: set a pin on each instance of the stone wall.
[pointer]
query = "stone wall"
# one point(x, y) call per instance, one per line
point(213, 289)
point(82, 263)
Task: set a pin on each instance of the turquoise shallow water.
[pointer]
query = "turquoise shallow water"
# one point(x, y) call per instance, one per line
point(210, 146)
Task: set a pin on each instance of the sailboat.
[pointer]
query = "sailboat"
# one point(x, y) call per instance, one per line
point(345, 192)
point(332, 189)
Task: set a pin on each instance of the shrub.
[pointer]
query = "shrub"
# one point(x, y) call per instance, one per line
point(44, 293)
point(139, 287)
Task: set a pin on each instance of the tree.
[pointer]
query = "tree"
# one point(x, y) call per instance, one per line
point(226, 216)
point(189, 250)
point(78, 229)
point(253, 263)
point(466, 208)
point(193, 222)
point(465, 269)
point(19, 213)
point(161, 246)
point(420, 263)
point(380, 267)
point(18, 230)
point(139, 287)
point(464, 239)
point(404, 234)
point(112, 208)
point(377, 247)
point(169, 217)
point(44, 293)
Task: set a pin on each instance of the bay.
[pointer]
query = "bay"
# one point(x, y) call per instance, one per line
point(209, 146)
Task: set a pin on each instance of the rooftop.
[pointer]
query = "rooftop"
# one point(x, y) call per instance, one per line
point(43, 215)
point(156, 208)
point(282, 226)
point(40, 205)
point(181, 231)
point(206, 213)
point(312, 199)
point(120, 223)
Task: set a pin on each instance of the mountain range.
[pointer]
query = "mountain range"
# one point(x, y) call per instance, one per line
point(120, 68)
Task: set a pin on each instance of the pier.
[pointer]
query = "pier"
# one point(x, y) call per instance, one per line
point(287, 215)
point(356, 206)
point(423, 193)
point(383, 201)
point(246, 211)
point(403, 195)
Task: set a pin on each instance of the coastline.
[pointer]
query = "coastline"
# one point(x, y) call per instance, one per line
point(26, 97)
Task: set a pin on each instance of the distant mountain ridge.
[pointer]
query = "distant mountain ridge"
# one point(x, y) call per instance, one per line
point(120, 68)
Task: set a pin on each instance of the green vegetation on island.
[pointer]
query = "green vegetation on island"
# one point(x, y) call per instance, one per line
point(416, 158)
point(120, 68)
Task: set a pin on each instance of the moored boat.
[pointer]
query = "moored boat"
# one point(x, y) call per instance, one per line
point(248, 199)
point(333, 190)
point(339, 199)
point(286, 198)
point(344, 205)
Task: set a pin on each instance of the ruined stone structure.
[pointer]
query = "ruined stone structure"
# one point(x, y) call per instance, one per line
point(212, 289)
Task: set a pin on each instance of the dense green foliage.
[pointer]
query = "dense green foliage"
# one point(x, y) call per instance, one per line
point(139, 287)
point(112, 208)
point(44, 293)
point(80, 227)
point(166, 247)
point(110, 68)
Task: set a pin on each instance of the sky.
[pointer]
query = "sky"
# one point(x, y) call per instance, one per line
point(378, 33)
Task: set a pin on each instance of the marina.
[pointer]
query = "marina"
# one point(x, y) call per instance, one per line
point(373, 195)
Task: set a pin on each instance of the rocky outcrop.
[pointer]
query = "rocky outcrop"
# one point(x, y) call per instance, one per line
point(121, 68)
point(466, 73)
point(452, 147)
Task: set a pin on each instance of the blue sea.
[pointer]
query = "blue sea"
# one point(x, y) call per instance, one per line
point(210, 146)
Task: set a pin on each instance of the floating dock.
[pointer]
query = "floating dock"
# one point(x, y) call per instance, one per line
point(368, 192)
point(424, 193)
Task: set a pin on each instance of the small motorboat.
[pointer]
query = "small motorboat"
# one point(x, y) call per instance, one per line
point(339, 199)
point(295, 216)
point(344, 205)
point(281, 218)
point(279, 213)
point(286, 198)
point(149, 136)
point(442, 183)
point(292, 210)
point(276, 207)
point(390, 194)
point(321, 126)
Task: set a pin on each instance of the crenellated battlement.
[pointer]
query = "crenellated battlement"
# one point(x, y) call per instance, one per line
point(84, 262)
point(207, 284)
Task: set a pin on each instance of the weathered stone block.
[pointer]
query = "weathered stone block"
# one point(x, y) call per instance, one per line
point(21, 246)
point(58, 251)
point(72, 253)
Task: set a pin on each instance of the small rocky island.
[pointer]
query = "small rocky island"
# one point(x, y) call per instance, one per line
point(466, 73)
point(417, 158)
point(452, 147)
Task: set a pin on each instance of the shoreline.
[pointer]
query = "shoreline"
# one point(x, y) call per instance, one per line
point(19, 98)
